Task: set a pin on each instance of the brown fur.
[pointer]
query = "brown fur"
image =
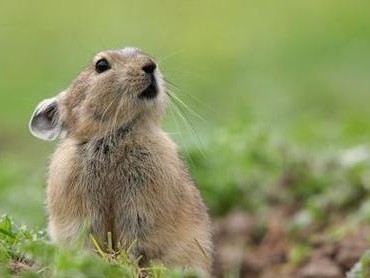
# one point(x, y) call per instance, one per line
point(117, 171)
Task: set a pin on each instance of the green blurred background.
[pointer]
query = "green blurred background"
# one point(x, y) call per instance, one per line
point(300, 69)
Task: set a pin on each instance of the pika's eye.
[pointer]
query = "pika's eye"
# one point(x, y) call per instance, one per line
point(102, 65)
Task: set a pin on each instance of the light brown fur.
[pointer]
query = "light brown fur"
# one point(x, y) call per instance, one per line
point(132, 184)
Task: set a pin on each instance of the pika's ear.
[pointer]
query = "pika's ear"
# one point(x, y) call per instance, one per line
point(45, 122)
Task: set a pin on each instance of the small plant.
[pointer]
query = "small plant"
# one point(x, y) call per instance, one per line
point(361, 268)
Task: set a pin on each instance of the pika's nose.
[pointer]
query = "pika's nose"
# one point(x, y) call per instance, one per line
point(149, 67)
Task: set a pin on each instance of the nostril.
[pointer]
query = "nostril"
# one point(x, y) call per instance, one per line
point(149, 67)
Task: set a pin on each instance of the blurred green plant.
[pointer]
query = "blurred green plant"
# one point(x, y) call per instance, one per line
point(256, 170)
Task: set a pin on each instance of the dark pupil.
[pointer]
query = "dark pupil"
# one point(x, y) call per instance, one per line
point(102, 65)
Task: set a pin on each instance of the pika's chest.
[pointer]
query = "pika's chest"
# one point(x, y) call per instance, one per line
point(117, 185)
point(110, 169)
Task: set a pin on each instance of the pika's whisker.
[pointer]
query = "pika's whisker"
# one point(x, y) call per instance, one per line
point(187, 123)
point(161, 60)
point(207, 107)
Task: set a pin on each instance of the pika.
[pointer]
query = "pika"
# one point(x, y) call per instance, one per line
point(115, 169)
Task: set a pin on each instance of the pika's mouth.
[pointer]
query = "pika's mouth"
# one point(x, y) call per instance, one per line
point(151, 91)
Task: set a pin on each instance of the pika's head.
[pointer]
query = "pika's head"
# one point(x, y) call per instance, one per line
point(118, 88)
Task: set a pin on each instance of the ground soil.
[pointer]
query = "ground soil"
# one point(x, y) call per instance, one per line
point(244, 249)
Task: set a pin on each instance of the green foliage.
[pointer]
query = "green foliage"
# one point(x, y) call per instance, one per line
point(28, 253)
